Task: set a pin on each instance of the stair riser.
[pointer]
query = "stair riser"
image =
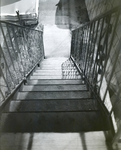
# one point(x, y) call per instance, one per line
point(52, 122)
point(52, 95)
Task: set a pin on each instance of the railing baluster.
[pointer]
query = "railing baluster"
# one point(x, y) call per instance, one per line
point(1, 51)
point(110, 47)
point(90, 48)
point(72, 45)
point(118, 99)
point(16, 67)
point(87, 49)
point(8, 50)
point(98, 22)
point(5, 79)
point(95, 68)
point(113, 70)
point(2, 94)
point(18, 51)
point(24, 41)
point(75, 45)
point(95, 57)
point(23, 51)
point(83, 52)
point(13, 48)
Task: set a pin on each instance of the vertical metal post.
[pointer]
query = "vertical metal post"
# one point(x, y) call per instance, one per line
point(117, 100)
point(1, 51)
point(91, 63)
point(113, 70)
point(87, 49)
point(116, 137)
point(94, 72)
point(90, 48)
point(5, 79)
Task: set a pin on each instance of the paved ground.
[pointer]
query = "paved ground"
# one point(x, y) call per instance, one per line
point(53, 141)
point(56, 41)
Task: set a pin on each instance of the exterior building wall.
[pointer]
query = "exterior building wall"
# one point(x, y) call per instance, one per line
point(96, 8)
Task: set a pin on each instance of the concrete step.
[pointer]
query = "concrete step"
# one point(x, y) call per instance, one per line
point(54, 64)
point(53, 122)
point(52, 105)
point(45, 77)
point(47, 81)
point(49, 68)
point(53, 95)
point(54, 77)
point(47, 73)
point(54, 87)
point(55, 59)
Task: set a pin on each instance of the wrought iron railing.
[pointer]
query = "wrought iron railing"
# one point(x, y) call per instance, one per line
point(97, 52)
point(20, 50)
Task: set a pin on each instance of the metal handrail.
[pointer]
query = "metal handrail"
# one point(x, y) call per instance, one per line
point(92, 49)
point(21, 49)
point(17, 25)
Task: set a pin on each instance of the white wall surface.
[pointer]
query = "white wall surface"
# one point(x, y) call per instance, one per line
point(9, 7)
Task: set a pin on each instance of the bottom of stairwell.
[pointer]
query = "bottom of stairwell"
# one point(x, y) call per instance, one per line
point(53, 141)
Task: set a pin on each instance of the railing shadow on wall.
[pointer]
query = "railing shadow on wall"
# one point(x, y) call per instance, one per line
point(21, 49)
point(95, 54)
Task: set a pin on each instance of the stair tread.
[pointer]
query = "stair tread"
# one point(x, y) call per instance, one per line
point(51, 77)
point(49, 103)
point(53, 95)
point(53, 87)
point(46, 77)
point(52, 105)
point(54, 81)
point(44, 71)
point(47, 73)
point(53, 122)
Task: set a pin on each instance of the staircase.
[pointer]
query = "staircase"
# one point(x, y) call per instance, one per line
point(54, 99)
